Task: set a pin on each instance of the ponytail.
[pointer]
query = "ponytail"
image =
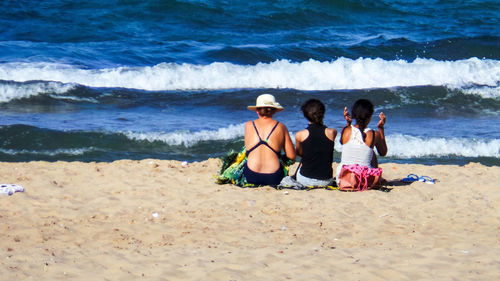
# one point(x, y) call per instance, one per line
point(362, 111)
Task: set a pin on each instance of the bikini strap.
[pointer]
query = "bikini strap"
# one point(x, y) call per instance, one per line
point(257, 130)
point(264, 142)
point(277, 122)
point(272, 130)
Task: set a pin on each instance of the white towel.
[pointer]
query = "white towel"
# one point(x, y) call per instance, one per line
point(9, 189)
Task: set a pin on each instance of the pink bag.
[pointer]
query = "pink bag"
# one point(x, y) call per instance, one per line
point(359, 178)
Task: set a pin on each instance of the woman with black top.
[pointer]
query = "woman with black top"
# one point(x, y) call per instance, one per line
point(315, 146)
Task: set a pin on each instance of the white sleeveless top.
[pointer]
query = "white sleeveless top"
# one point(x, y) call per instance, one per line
point(355, 151)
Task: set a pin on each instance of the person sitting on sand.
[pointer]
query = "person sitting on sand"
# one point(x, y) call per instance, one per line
point(264, 140)
point(358, 141)
point(315, 146)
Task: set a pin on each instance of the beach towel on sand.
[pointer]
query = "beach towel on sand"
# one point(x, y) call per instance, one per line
point(232, 168)
point(9, 189)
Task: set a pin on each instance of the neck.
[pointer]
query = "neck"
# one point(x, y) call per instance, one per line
point(265, 117)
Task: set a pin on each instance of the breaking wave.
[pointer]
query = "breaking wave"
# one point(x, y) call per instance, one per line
point(474, 76)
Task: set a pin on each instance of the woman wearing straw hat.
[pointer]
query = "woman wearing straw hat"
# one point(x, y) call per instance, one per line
point(264, 140)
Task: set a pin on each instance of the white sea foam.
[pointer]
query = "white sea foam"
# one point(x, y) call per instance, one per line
point(483, 91)
point(187, 138)
point(342, 73)
point(400, 146)
point(404, 146)
point(11, 91)
point(56, 152)
point(74, 98)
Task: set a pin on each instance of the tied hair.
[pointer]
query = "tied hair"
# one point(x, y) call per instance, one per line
point(314, 111)
point(362, 111)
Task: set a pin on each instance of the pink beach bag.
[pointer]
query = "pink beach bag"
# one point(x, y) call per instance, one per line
point(359, 178)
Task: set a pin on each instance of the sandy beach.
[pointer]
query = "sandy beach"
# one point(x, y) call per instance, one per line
point(161, 220)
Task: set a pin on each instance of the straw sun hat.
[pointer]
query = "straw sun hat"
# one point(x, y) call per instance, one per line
point(266, 100)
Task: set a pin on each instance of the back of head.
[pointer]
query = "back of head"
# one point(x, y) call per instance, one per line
point(266, 111)
point(314, 111)
point(362, 111)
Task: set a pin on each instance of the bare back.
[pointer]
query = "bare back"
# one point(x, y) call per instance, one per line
point(262, 158)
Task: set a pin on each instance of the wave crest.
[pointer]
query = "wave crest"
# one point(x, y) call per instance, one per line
point(13, 90)
point(56, 152)
point(400, 146)
point(340, 74)
point(404, 146)
point(187, 138)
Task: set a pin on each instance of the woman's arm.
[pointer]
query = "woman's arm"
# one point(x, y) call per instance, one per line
point(380, 143)
point(248, 133)
point(299, 138)
point(289, 149)
point(345, 137)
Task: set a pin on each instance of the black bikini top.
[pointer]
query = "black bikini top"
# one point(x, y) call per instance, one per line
point(264, 142)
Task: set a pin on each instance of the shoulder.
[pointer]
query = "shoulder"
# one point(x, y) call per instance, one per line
point(301, 135)
point(249, 127)
point(370, 137)
point(331, 133)
point(346, 129)
point(281, 126)
point(345, 134)
point(371, 133)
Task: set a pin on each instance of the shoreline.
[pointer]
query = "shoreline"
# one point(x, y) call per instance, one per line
point(161, 220)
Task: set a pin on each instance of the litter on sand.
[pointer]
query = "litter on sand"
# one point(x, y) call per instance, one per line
point(9, 189)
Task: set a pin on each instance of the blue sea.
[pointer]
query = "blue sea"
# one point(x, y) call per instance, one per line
point(135, 79)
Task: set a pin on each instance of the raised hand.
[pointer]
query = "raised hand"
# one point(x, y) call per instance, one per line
point(347, 116)
point(381, 123)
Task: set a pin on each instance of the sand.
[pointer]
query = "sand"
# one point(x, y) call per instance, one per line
point(161, 220)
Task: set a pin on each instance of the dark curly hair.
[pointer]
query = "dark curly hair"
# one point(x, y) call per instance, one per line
point(314, 111)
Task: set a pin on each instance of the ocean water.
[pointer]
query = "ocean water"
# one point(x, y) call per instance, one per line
point(130, 79)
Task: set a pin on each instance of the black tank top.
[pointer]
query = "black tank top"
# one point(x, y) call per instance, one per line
point(317, 154)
